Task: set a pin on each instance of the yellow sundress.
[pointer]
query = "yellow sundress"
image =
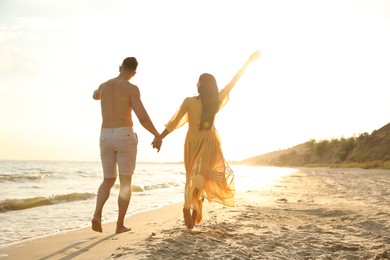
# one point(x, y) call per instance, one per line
point(207, 173)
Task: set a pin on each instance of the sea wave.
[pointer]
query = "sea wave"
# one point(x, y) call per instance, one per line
point(23, 177)
point(161, 186)
point(142, 188)
point(20, 204)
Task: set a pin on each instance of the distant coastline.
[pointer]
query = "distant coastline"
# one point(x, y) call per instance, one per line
point(363, 151)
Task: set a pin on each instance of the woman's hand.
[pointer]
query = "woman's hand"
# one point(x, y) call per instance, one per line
point(254, 56)
point(157, 142)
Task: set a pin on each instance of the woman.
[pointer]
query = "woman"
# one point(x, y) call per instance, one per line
point(207, 173)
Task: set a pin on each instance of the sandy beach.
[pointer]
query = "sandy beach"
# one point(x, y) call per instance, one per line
point(315, 213)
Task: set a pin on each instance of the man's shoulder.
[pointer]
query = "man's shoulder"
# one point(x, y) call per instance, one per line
point(131, 85)
point(107, 83)
point(132, 88)
point(110, 81)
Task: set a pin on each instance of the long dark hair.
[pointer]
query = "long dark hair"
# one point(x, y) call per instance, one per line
point(209, 96)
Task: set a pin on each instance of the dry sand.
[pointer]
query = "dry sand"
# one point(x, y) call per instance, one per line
point(316, 213)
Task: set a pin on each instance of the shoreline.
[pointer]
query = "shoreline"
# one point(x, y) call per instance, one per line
point(310, 214)
point(87, 244)
point(106, 222)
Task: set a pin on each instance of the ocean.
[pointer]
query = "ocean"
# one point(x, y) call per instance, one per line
point(39, 198)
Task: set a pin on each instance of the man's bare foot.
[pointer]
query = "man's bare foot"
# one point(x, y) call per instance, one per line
point(96, 225)
point(122, 230)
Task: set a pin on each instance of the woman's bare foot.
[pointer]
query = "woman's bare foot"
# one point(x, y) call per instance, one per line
point(122, 229)
point(187, 218)
point(97, 225)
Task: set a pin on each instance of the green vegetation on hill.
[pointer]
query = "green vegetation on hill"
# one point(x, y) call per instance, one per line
point(365, 150)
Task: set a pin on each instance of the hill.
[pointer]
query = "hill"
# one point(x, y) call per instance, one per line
point(365, 150)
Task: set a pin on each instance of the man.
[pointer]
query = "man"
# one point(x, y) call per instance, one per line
point(118, 142)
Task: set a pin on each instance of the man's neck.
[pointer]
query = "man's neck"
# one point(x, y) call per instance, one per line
point(124, 76)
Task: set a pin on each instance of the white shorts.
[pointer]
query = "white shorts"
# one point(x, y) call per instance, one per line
point(118, 150)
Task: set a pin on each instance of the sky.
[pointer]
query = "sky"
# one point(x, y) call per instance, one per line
point(324, 71)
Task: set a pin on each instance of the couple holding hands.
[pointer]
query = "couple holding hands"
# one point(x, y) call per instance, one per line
point(207, 173)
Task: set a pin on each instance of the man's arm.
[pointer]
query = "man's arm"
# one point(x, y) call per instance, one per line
point(96, 94)
point(140, 111)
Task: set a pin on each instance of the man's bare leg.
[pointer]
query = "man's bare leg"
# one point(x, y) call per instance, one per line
point(102, 197)
point(123, 202)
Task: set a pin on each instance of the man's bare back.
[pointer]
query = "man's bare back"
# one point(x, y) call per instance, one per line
point(116, 95)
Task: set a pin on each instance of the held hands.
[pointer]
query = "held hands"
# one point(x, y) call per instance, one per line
point(157, 142)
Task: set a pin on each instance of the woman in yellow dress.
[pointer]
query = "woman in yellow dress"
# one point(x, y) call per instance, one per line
point(207, 173)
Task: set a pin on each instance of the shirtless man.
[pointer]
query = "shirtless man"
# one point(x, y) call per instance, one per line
point(118, 142)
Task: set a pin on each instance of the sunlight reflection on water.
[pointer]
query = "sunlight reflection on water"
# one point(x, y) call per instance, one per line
point(250, 178)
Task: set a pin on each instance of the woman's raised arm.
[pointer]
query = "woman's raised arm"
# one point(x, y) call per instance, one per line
point(254, 56)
